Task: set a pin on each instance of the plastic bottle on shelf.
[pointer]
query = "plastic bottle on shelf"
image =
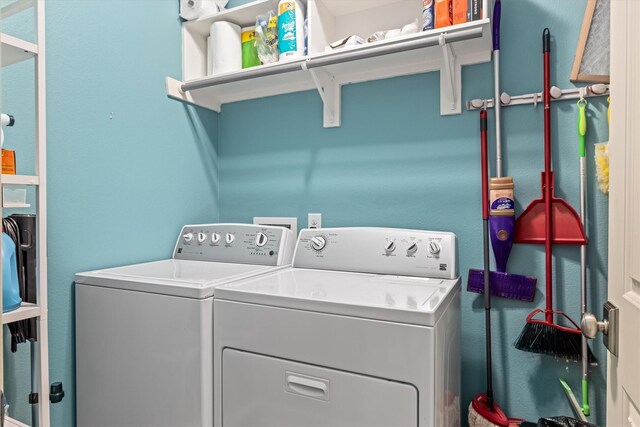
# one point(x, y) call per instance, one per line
point(290, 29)
point(10, 286)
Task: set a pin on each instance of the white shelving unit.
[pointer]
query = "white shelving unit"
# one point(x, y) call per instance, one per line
point(15, 50)
point(444, 49)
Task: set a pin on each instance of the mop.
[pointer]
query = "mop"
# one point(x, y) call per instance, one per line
point(483, 411)
point(502, 214)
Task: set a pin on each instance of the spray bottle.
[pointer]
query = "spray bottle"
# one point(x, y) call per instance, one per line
point(5, 120)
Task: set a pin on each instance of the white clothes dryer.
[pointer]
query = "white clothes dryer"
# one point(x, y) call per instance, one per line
point(364, 330)
point(144, 332)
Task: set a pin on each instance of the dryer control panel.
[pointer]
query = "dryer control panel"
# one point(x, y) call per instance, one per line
point(379, 250)
point(235, 243)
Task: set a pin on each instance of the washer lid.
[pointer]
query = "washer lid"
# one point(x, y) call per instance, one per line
point(192, 279)
point(413, 300)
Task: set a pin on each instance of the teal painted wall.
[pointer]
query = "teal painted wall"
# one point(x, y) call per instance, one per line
point(395, 162)
point(127, 167)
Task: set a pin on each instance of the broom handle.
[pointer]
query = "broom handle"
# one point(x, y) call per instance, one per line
point(546, 49)
point(485, 241)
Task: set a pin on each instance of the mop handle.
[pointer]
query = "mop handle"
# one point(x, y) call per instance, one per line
point(484, 159)
point(485, 240)
point(496, 84)
point(582, 132)
point(546, 49)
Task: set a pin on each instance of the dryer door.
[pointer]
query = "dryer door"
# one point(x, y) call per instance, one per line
point(267, 391)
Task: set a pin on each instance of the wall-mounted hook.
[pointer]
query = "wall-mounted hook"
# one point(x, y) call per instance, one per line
point(555, 92)
point(505, 98)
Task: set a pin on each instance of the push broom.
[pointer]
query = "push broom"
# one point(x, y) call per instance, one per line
point(502, 213)
point(550, 220)
point(483, 411)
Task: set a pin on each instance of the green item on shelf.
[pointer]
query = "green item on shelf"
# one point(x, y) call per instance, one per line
point(249, 49)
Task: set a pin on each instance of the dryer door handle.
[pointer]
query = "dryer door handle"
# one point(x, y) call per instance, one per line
point(306, 386)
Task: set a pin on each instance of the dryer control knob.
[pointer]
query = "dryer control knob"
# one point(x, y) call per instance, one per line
point(412, 248)
point(261, 239)
point(230, 238)
point(201, 237)
point(215, 237)
point(434, 248)
point(389, 247)
point(318, 243)
point(187, 237)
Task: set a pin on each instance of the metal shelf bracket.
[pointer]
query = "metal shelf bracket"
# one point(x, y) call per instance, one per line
point(330, 93)
point(450, 95)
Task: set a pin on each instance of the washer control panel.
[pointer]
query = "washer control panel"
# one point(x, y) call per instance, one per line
point(235, 243)
point(379, 250)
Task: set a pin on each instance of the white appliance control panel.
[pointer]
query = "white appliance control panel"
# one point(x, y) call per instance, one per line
point(379, 250)
point(235, 243)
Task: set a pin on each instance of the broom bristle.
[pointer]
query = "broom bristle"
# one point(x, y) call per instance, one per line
point(547, 339)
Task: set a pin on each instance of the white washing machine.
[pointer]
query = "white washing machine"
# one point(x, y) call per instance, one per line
point(144, 332)
point(364, 330)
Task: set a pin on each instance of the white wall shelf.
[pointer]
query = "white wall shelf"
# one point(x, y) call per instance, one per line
point(15, 6)
point(20, 180)
point(445, 50)
point(10, 422)
point(24, 312)
point(16, 50)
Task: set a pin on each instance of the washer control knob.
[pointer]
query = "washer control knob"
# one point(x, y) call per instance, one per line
point(187, 237)
point(261, 239)
point(215, 237)
point(201, 237)
point(318, 243)
point(412, 248)
point(389, 247)
point(229, 238)
point(434, 247)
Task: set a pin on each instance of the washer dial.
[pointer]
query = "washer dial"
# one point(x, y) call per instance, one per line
point(261, 239)
point(434, 247)
point(412, 248)
point(318, 243)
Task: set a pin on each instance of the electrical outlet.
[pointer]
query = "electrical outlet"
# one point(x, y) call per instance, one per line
point(314, 220)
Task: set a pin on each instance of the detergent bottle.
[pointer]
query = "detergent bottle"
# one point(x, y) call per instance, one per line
point(10, 286)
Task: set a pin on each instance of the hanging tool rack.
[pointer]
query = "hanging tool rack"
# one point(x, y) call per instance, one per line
point(556, 93)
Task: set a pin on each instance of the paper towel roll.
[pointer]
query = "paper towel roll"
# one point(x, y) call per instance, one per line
point(209, 56)
point(227, 47)
point(194, 9)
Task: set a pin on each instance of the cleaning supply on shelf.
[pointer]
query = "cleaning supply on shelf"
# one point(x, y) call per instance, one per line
point(443, 13)
point(194, 9)
point(267, 37)
point(227, 48)
point(459, 11)
point(602, 159)
point(428, 20)
point(8, 156)
point(5, 120)
point(249, 51)
point(547, 221)
point(290, 29)
point(10, 287)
